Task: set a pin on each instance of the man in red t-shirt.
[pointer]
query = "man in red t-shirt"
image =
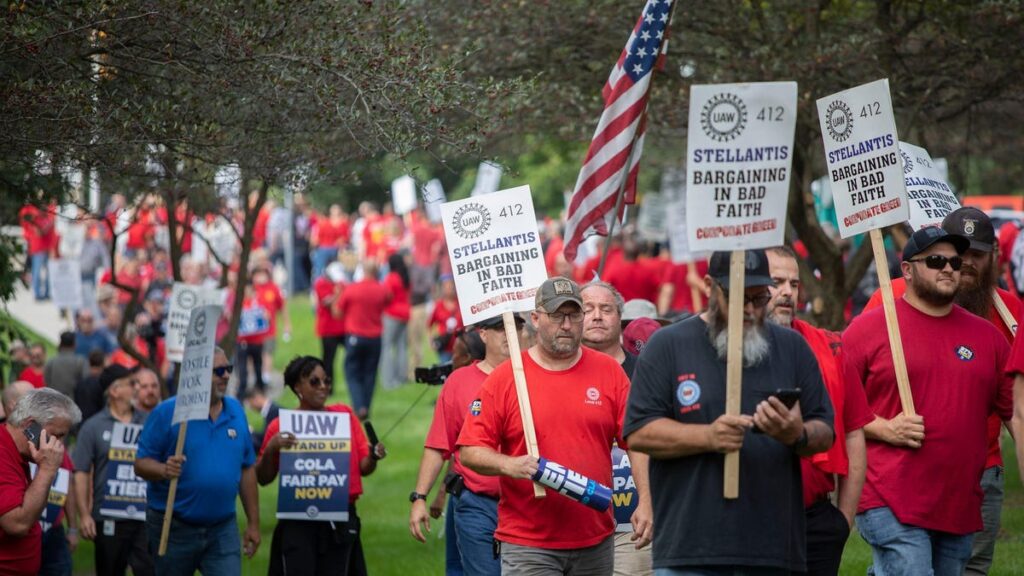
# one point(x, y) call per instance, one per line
point(473, 510)
point(361, 307)
point(47, 416)
point(978, 277)
point(578, 399)
point(679, 285)
point(922, 498)
point(1015, 369)
point(33, 373)
point(828, 526)
point(39, 230)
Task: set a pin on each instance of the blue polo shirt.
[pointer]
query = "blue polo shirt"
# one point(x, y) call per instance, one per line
point(215, 454)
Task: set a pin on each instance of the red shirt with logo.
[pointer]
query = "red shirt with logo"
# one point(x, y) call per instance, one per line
point(18, 555)
point(362, 305)
point(1013, 304)
point(360, 448)
point(327, 324)
point(955, 363)
point(457, 400)
point(577, 414)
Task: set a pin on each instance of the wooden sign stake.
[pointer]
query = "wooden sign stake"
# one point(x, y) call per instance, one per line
point(734, 363)
point(1004, 312)
point(519, 374)
point(889, 304)
point(169, 512)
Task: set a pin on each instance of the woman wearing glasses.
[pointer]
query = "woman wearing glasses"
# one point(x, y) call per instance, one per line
point(316, 547)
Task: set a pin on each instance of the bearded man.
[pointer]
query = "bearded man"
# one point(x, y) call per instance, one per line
point(921, 502)
point(978, 277)
point(676, 414)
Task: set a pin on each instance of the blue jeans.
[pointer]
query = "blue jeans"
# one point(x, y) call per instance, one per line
point(56, 554)
point(321, 258)
point(984, 547)
point(214, 550)
point(910, 551)
point(452, 557)
point(40, 282)
point(476, 519)
point(362, 355)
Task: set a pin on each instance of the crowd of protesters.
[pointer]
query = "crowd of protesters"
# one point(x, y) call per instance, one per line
point(380, 285)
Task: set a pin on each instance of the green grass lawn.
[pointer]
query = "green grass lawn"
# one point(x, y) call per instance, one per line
point(384, 507)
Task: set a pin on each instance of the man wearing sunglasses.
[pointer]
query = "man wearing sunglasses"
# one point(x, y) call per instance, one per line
point(578, 399)
point(921, 503)
point(978, 278)
point(677, 416)
point(215, 467)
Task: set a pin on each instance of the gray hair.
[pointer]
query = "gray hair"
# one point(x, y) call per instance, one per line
point(44, 406)
point(619, 300)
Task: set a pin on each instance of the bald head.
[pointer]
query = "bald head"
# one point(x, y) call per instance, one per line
point(14, 392)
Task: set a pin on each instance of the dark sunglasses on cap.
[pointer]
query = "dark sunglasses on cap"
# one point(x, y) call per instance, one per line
point(938, 262)
point(224, 371)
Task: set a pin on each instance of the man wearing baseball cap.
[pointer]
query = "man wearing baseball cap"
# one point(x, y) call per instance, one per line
point(677, 416)
point(921, 502)
point(578, 399)
point(978, 278)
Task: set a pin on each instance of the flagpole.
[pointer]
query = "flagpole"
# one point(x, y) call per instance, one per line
point(618, 202)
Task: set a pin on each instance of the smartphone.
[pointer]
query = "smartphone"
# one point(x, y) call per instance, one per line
point(34, 433)
point(788, 396)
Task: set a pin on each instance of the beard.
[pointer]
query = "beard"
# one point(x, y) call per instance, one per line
point(560, 347)
point(755, 343)
point(975, 294)
point(931, 294)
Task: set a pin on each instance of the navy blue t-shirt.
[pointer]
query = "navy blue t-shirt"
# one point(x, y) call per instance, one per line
point(680, 376)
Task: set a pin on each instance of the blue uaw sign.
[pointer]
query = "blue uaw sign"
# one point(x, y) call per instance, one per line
point(57, 497)
point(124, 493)
point(314, 479)
point(624, 495)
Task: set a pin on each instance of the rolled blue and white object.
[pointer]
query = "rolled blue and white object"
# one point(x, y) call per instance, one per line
point(573, 484)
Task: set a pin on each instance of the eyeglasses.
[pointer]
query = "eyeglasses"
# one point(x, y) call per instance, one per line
point(759, 300)
point(317, 382)
point(224, 371)
point(938, 262)
point(559, 317)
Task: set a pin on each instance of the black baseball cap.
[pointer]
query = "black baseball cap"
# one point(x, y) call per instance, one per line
point(112, 374)
point(755, 266)
point(972, 224)
point(925, 237)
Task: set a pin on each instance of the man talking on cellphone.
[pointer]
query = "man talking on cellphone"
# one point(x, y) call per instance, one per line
point(34, 432)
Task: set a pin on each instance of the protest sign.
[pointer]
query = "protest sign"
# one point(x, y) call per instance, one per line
point(124, 493)
point(494, 244)
point(403, 194)
point(930, 198)
point(738, 164)
point(488, 178)
point(498, 264)
point(65, 278)
point(433, 197)
point(652, 223)
point(314, 473)
point(193, 399)
point(868, 190)
point(862, 155)
point(57, 496)
point(624, 495)
point(184, 298)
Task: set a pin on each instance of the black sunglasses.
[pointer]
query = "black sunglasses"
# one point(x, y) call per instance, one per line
point(759, 300)
point(224, 371)
point(317, 382)
point(938, 262)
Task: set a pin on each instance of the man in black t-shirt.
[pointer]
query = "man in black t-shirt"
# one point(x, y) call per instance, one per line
point(676, 414)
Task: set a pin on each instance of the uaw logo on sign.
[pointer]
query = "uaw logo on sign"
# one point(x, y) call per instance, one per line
point(312, 511)
point(964, 353)
point(187, 299)
point(471, 220)
point(200, 326)
point(839, 120)
point(724, 117)
point(908, 164)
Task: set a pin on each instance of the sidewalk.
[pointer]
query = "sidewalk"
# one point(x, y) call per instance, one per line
point(43, 318)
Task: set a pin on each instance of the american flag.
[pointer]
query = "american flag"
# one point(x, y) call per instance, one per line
point(620, 129)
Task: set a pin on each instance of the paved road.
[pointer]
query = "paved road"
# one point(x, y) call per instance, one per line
point(43, 318)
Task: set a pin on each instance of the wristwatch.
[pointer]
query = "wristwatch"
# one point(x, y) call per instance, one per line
point(801, 442)
point(414, 496)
